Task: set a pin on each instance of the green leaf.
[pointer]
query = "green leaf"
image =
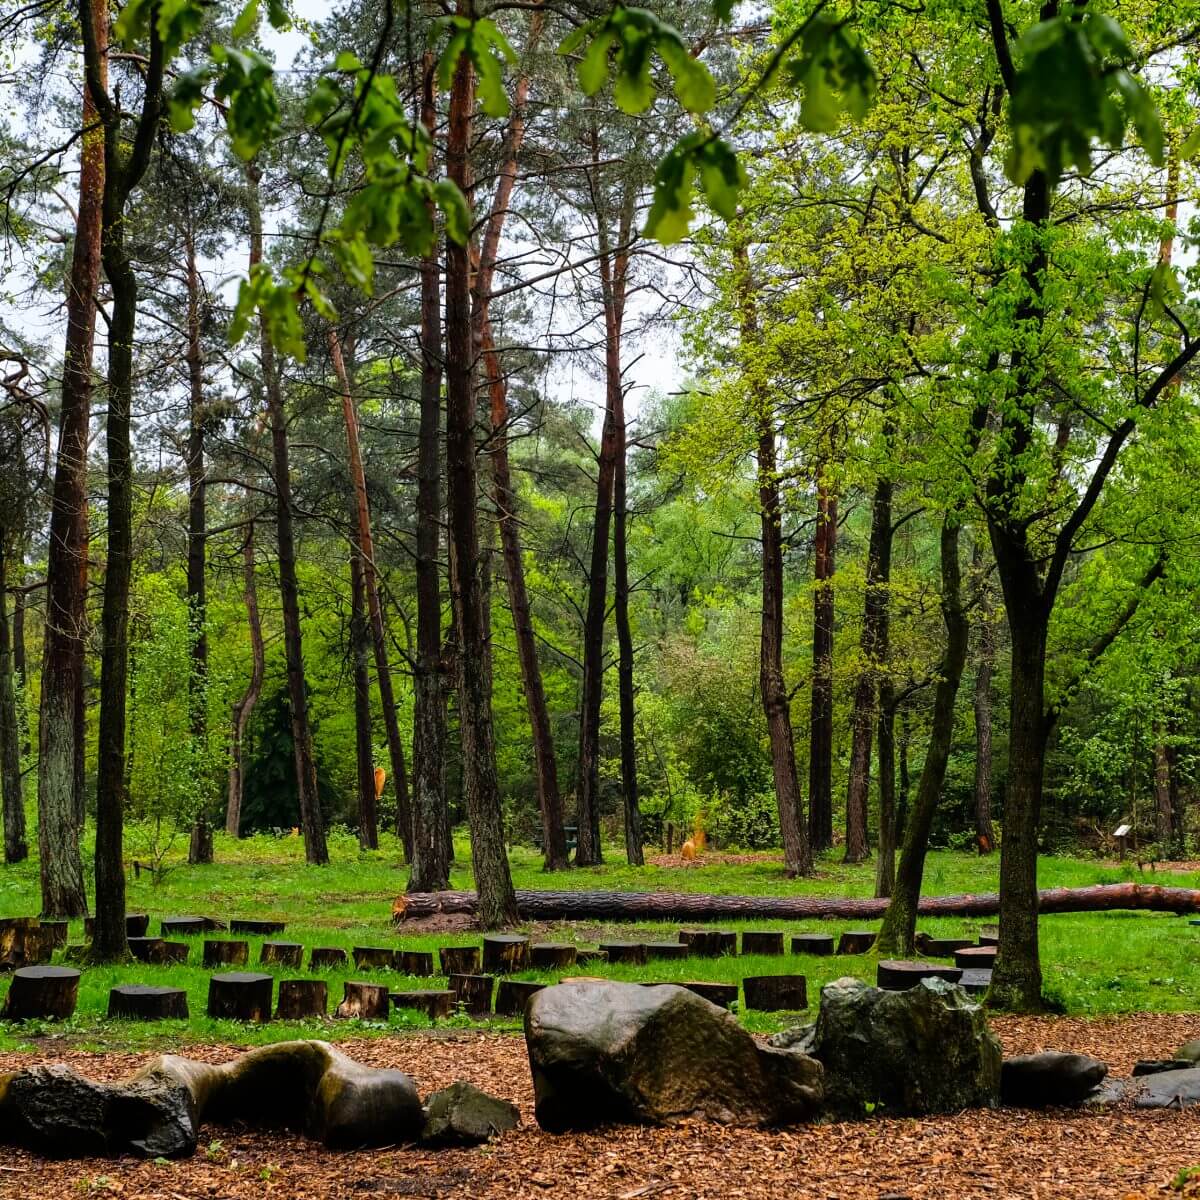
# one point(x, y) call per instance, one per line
point(670, 210)
point(722, 176)
point(347, 60)
point(246, 23)
point(455, 209)
point(278, 15)
point(592, 70)
point(1191, 144)
point(694, 84)
point(185, 98)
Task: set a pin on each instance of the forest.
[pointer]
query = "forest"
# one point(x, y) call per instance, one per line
point(588, 426)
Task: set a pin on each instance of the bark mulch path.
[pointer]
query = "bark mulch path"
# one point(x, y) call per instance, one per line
point(1122, 1153)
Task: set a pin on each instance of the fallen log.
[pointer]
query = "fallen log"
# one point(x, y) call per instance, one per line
point(546, 905)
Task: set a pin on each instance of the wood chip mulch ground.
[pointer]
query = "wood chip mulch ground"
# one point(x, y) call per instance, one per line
point(1050, 1156)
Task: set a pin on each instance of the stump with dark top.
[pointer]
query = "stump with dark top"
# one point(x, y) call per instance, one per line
point(148, 949)
point(176, 952)
point(670, 950)
point(414, 962)
point(23, 943)
point(513, 994)
point(226, 954)
point(141, 1002)
point(240, 996)
point(975, 981)
point(933, 947)
point(369, 1001)
point(325, 958)
point(54, 933)
point(895, 975)
point(302, 998)
point(709, 943)
point(459, 960)
point(46, 993)
point(434, 1003)
point(988, 939)
point(256, 926)
point(188, 926)
point(625, 952)
point(545, 955)
point(976, 956)
point(820, 944)
point(374, 958)
point(762, 941)
point(287, 954)
point(136, 925)
point(590, 954)
point(473, 992)
point(505, 953)
point(720, 994)
point(856, 941)
point(775, 993)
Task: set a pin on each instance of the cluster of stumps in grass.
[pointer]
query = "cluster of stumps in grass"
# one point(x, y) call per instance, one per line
point(472, 972)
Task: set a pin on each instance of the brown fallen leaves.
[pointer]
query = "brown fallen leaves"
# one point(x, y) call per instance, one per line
point(1121, 1154)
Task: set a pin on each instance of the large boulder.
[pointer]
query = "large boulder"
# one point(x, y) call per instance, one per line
point(927, 1049)
point(618, 1052)
point(1169, 1089)
point(462, 1115)
point(1049, 1078)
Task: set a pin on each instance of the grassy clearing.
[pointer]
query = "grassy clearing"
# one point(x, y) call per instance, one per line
point(1095, 963)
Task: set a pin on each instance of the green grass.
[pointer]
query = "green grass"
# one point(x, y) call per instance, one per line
point(1094, 963)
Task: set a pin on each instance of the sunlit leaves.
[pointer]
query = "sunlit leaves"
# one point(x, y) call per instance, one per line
point(721, 177)
point(1073, 90)
point(834, 73)
point(482, 44)
point(245, 81)
point(246, 24)
point(260, 292)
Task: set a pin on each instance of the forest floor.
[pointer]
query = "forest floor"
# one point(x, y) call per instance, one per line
point(1053, 1155)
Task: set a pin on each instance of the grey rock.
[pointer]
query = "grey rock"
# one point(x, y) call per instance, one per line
point(1112, 1091)
point(1049, 1078)
point(603, 1051)
point(1189, 1051)
point(1156, 1066)
point(462, 1115)
point(1170, 1089)
point(924, 1050)
point(800, 1037)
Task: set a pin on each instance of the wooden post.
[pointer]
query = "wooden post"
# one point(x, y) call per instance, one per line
point(139, 1002)
point(240, 996)
point(302, 998)
point(46, 993)
point(367, 1001)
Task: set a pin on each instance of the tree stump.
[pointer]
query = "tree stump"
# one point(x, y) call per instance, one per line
point(590, 955)
point(149, 949)
point(545, 955)
point(933, 947)
point(976, 957)
point(625, 952)
point(240, 996)
point(140, 1002)
point(856, 941)
point(709, 943)
point(301, 998)
point(262, 928)
point(415, 962)
point(226, 954)
point(896, 975)
point(368, 1001)
point(720, 994)
point(668, 950)
point(762, 941)
point(433, 1003)
point(54, 933)
point(513, 994)
point(188, 926)
point(176, 952)
point(136, 925)
point(77, 952)
point(22, 943)
point(473, 992)
point(975, 981)
point(775, 993)
point(48, 993)
point(505, 953)
point(287, 954)
point(459, 960)
point(374, 958)
point(989, 939)
point(325, 958)
point(819, 944)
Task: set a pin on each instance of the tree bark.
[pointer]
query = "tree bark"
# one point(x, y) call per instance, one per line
point(885, 861)
point(1163, 822)
point(244, 708)
point(873, 645)
point(820, 758)
point(570, 905)
point(360, 638)
point(60, 798)
point(900, 921)
point(16, 849)
point(480, 784)
point(370, 583)
point(985, 837)
point(312, 826)
point(430, 861)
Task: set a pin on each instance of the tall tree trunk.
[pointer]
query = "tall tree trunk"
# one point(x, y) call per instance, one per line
point(364, 751)
point(16, 848)
point(244, 708)
point(370, 581)
point(60, 798)
point(820, 758)
point(985, 837)
point(497, 903)
point(905, 775)
point(900, 921)
point(430, 860)
point(200, 848)
point(20, 672)
point(311, 822)
point(885, 861)
point(873, 644)
point(1163, 823)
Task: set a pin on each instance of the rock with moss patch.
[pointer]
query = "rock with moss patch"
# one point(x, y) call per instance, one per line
point(462, 1115)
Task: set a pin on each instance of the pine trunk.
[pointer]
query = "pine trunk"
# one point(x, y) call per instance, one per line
point(985, 836)
point(820, 758)
point(16, 848)
point(885, 860)
point(244, 708)
point(360, 639)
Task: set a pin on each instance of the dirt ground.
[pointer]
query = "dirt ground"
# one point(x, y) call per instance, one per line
point(1052, 1156)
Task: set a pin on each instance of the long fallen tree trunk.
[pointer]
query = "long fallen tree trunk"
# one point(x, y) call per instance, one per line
point(538, 905)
